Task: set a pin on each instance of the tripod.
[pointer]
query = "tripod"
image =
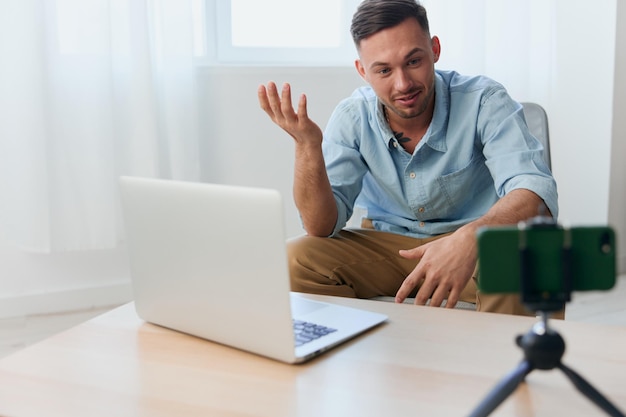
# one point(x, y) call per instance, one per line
point(543, 347)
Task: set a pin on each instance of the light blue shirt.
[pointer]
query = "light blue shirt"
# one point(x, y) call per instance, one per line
point(476, 150)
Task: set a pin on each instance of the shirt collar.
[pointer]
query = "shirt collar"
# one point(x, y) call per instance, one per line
point(387, 133)
point(436, 135)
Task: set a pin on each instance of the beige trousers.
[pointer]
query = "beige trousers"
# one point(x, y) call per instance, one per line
point(364, 263)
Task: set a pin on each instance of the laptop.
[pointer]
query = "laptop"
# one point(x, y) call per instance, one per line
point(210, 260)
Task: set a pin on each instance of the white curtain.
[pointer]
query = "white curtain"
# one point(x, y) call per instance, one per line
point(511, 41)
point(90, 90)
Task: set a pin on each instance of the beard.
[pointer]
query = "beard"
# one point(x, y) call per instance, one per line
point(414, 111)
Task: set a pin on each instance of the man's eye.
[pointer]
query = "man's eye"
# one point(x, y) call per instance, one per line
point(384, 71)
point(415, 61)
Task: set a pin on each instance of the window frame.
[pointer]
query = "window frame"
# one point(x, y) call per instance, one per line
point(219, 50)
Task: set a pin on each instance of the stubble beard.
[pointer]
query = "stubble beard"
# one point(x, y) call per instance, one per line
point(412, 113)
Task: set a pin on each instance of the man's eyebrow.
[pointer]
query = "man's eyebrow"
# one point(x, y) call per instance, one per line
point(407, 56)
point(413, 52)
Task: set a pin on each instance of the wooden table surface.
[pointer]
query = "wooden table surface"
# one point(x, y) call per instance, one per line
point(423, 362)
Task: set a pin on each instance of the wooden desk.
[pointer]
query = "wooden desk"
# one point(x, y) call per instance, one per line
point(423, 362)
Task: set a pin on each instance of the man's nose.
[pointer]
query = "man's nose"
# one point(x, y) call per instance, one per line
point(403, 81)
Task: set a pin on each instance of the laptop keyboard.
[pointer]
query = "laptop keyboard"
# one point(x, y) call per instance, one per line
point(306, 332)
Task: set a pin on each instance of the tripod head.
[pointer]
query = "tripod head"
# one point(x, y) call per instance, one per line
point(541, 300)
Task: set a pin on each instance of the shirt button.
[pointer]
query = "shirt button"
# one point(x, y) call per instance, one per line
point(421, 209)
point(395, 144)
point(422, 224)
point(412, 175)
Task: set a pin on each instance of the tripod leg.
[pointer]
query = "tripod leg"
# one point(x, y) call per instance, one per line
point(502, 390)
point(590, 392)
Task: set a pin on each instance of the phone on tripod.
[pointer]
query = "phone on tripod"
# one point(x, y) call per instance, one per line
point(546, 259)
point(544, 263)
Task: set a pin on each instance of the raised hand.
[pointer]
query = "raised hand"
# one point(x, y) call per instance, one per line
point(280, 109)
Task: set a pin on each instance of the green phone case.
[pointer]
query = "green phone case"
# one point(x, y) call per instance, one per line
point(592, 261)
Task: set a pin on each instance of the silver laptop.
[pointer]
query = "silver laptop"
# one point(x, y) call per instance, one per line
point(210, 260)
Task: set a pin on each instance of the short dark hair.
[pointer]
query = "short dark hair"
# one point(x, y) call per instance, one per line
point(373, 16)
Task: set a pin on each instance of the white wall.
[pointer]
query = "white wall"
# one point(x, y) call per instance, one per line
point(581, 111)
point(243, 147)
point(617, 190)
point(36, 283)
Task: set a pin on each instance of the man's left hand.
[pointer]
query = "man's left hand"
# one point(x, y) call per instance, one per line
point(445, 266)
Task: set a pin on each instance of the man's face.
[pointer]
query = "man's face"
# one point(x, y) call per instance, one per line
point(399, 64)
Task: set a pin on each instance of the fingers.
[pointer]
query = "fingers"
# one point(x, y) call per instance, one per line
point(266, 95)
point(415, 253)
point(262, 96)
point(286, 108)
point(442, 292)
point(269, 101)
point(414, 278)
point(430, 289)
point(433, 284)
point(408, 285)
point(302, 112)
point(272, 102)
point(453, 298)
point(279, 106)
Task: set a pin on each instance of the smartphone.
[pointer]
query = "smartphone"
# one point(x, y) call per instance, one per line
point(544, 256)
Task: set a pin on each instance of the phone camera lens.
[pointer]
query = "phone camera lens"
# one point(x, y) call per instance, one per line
point(605, 243)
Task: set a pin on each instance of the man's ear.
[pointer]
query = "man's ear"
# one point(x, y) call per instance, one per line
point(359, 68)
point(436, 45)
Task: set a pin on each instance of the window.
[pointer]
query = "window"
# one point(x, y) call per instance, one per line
point(286, 24)
point(225, 32)
point(280, 32)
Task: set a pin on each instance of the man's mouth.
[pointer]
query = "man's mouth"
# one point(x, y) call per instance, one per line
point(409, 99)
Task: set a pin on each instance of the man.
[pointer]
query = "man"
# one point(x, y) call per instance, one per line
point(431, 155)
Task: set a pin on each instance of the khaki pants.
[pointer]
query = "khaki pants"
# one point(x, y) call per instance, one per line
point(364, 263)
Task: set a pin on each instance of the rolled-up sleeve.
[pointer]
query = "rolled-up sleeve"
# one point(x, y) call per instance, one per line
point(344, 164)
point(513, 155)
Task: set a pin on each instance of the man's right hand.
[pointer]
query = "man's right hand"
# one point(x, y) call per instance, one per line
point(280, 109)
point(312, 191)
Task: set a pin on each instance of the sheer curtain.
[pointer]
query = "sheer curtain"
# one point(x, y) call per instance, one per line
point(90, 90)
point(511, 41)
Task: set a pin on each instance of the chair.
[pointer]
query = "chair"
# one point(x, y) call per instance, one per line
point(537, 121)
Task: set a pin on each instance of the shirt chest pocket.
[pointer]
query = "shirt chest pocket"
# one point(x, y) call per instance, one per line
point(454, 194)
